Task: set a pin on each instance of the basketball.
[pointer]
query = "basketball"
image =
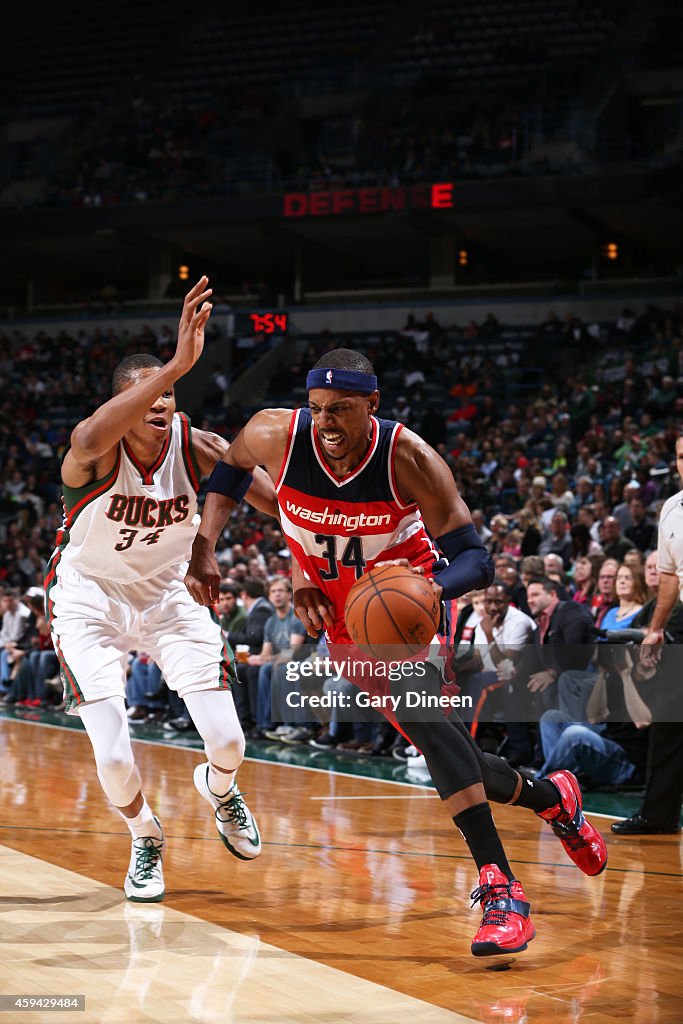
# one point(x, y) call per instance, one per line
point(392, 612)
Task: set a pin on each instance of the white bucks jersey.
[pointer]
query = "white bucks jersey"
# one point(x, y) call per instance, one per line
point(135, 522)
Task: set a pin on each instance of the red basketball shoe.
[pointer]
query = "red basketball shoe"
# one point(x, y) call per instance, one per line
point(505, 926)
point(581, 840)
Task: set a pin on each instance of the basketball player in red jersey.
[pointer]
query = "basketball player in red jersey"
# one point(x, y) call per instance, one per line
point(353, 491)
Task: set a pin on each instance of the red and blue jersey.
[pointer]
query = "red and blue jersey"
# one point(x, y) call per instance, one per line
point(339, 527)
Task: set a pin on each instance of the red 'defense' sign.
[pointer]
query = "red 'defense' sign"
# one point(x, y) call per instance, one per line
point(368, 200)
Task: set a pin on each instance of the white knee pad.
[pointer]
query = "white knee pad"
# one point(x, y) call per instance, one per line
point(213, 713)
point(226, 753)
point(120, 780)
point(107, 728)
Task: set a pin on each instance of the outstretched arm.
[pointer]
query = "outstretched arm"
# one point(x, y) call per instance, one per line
point(95, 437)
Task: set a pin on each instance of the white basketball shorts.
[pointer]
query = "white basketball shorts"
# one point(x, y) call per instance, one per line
point(96, 623)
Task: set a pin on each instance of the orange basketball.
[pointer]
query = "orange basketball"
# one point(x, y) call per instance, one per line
point(392, 612)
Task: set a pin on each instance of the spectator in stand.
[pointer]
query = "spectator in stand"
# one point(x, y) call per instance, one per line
point(282, 633)
point(509, 575)
point(562, 625)
point(631, 594)
point(401, 411)
point(606, 595)
point(640, 532)
point(583, 402)
point(20, 679)
point(583, 544)
point(259, 610)
point(585, 580)
point(144, 679)
point(635, 557)
point(15, 619)
point(560, 495)
point(564, 643)
point(499, 640)
point(499, 531)
point(464, 659)
point(531, 566)
point(587, 517)
point(513, 544)
point(584, 491)
point(553, 568)
point(559, 541)
point(232, 615)
point(531, 535)
point(480, 526)
point(609, 748)
point(42, 658)
point(502, 561)
point(613, 544)
point(622, 510)
point(539, 489)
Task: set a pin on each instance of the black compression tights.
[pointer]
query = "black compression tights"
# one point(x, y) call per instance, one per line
point(453, 758)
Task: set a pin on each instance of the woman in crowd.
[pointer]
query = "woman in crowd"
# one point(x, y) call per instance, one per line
point(531, 534)
point(631, 594)
point(585, 580)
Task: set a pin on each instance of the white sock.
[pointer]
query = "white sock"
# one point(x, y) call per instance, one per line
point(220, 782)
point(143, 824)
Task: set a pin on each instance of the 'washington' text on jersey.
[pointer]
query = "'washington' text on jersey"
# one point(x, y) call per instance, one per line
point(337, 518)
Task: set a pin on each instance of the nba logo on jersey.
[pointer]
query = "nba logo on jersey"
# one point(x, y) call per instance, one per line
point(328, 377)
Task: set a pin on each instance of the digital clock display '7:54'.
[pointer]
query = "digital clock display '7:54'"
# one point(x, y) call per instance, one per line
point(269, 323)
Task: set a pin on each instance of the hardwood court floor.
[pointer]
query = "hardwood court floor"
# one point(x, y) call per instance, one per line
point(368, 879)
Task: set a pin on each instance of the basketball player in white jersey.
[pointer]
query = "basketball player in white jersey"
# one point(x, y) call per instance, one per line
point(115, 583)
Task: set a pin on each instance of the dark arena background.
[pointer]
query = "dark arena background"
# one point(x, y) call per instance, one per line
point(486, 199)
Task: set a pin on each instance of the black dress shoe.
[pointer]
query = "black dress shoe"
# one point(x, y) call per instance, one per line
point(640, 826)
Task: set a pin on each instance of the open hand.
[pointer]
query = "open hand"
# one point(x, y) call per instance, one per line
point(193, 319)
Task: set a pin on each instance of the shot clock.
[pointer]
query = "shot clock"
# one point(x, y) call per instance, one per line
point(266, 323)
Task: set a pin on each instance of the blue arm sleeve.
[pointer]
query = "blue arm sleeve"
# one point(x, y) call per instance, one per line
point(230, 481)
point(471, 566)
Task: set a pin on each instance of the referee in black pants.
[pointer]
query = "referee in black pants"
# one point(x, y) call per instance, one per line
point(661, 810)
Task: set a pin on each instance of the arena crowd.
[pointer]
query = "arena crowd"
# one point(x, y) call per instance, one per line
point(565, 484)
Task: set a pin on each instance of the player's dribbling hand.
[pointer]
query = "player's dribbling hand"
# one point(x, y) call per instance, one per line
point(196, 312)
point(203, 578)
point(313, 609)
point(417, 569)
